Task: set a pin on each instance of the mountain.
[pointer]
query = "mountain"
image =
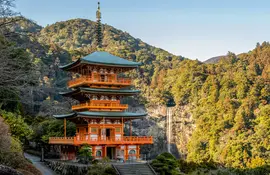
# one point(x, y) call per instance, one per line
point(78, 35)
point(222, 109)
point(213, 59)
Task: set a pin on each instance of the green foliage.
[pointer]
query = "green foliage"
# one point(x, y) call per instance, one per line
point(165, 163)
point(19, 129)
point(85, 154)
point(45, 128)
point(78, 35)
point(11, 153)
point(229, 104)
point(16, 70)
point(100, 169)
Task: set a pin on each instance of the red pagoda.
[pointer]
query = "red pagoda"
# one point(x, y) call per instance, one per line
point(100, 116)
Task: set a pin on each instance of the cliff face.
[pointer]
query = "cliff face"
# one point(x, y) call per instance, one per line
point(155, 124)
point(182, 128)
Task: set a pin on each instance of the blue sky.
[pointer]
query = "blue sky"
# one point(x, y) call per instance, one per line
point(197, 29)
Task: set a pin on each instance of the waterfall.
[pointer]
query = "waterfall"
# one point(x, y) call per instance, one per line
point(169, 117)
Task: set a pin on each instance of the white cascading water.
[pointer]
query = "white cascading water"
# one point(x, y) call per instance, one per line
point(169, 115)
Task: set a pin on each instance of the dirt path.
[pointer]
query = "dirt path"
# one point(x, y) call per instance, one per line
point(39, 165)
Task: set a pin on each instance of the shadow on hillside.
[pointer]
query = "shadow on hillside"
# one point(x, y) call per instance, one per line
point(216, 168)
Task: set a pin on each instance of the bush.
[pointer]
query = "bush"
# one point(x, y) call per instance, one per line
point(100, 169)
point(165, 163)
point(85, 154)
point(11, 152)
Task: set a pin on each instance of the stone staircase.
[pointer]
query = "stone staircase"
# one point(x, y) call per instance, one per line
point(134, 169)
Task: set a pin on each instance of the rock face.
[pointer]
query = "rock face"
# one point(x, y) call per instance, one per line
point(155, 125)
point(182, 128)
point(8, 171)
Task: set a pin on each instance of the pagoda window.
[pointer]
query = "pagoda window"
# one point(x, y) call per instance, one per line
point(78, 130)
point(113, 98)
point(86, 130)
point(98, 153)
point(94, 97)
point(102, 78)
point(93, 130)
point(101, 71)
point(117, 129)
point(132, 152)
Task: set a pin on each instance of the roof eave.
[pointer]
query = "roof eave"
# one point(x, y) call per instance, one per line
point(111, 64)
point(65, 116)
point(78, 90)
point(70, 65)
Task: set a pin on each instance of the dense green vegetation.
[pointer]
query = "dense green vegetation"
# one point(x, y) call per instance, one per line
point(229, 101)
point(230, 106)
point(167, 164)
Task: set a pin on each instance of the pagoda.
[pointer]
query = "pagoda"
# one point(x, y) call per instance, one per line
point(100, 116)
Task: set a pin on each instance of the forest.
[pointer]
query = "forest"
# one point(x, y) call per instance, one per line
point(229, 99)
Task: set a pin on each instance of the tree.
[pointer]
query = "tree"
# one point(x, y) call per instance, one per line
point(165, 163)
point(85, 154)
point(8, 17)
point(16, 74)
point(19, 129)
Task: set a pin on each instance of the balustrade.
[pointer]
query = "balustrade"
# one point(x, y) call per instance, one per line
point(77, 140)
point(101, 104)
point(91, 80)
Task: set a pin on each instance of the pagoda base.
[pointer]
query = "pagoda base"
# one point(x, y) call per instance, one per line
point(112, 152)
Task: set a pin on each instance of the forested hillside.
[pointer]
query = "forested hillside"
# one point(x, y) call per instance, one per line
point(229, 105)
point(224, 106)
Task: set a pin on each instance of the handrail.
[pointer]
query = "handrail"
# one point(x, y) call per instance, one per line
point(87, 79)
point(100, 105)
point(117, 172)
point(152, 169)
point(88, 139)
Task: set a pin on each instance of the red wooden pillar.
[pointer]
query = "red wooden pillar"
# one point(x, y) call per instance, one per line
point(65, 127)
point(137, 151)
point(105, 151)
point(130, 128)
point(94, 151)
point(126, 152)
point(122, 130)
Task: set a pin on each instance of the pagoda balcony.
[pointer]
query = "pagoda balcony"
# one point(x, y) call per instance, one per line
point(101, 105)
point(126, 140)
point(90, 81)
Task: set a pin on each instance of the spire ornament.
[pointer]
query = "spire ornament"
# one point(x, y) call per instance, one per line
point(98, 27)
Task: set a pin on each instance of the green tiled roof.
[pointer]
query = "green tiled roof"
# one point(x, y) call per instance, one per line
point(102, 58)
point(91, 114)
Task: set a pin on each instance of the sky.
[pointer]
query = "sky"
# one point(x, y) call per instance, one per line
point(196, 29)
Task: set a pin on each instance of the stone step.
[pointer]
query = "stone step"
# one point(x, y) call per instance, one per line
point(134, 169)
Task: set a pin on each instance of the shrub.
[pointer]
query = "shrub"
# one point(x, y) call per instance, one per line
point(165, 163)
point(85, 154)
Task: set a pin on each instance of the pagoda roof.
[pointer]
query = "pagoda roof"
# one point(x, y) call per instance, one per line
point(99, 114)
point(102, 58)
point(78, 92)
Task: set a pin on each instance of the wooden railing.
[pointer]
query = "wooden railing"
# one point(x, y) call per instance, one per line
point(103, 105)
point(62, 140)
point(98, 81)
point(101, 140)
